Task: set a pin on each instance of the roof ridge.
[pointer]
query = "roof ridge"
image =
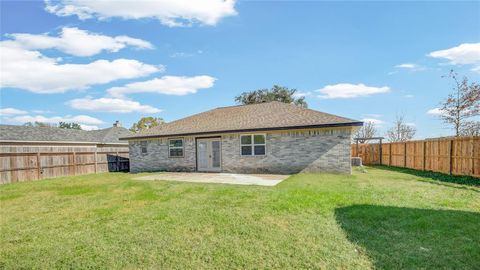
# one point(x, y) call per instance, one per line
point(261, 103)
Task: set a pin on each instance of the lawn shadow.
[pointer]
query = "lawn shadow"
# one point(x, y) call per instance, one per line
point(410, 238)
point(440, 177)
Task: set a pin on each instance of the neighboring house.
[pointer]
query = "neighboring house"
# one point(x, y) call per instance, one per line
point(52, 136)
point(33, 153)
point(269, 137)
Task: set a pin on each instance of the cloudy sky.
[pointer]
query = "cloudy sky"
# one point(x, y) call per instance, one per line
point(94, 62)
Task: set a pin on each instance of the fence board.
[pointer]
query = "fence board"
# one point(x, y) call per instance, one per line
point(457, 156)
point(29, 163)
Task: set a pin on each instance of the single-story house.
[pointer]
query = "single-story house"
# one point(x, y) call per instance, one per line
point(271, 137)
point(14, 135)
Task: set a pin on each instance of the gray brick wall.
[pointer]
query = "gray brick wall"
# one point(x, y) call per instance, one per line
point(156, 158)
point(326, 150)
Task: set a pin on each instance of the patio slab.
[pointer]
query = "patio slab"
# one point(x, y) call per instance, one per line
point(219, 178)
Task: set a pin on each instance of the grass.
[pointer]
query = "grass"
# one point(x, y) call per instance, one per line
point(380, 219)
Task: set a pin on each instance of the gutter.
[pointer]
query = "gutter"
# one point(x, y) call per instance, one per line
point(244, 130)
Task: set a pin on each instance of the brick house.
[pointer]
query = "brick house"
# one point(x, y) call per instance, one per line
point(269, 137)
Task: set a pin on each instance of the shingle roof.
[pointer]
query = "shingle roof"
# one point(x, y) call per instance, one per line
point(263, 116)
point(52, 134)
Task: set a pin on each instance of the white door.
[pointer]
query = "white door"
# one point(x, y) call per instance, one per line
point(209, 155)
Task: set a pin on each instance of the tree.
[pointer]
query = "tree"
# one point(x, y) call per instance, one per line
point(470, 128)
point(38, 124)
point(66, 125)
point(368, 130)
point(145, 123)
point(276, 93)
point(462, 104)
point(401, 131)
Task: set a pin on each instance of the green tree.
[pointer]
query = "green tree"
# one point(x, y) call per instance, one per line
point(276, 93)
point(145, 123)
point(66, 125)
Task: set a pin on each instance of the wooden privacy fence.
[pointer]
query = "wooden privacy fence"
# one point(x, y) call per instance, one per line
point(28, 165)
point(456, 156)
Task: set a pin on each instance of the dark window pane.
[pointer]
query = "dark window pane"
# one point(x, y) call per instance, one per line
point(176, 152)
point(260, 150)
point(246, 150)
point(259, 139)
point(246, 139)
point(143, 146)
point(176, 143)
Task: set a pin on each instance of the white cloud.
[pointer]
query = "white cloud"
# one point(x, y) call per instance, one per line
point(409, 96)
point(37, 73)
point(435, 111)
point(410, 66)
point(410, 124)
point(115, 105)
point(375, 122)
point(76, 42)
point(407, 66)
point(168, 12)
point(300, 94)
point(167, 85)
point(80, 119)
point(11, 111)
point(347, 90)
point(463, 54)
point(88, 127)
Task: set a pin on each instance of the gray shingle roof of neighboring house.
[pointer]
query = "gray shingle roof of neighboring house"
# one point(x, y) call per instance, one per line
point(53, 134)
point(255, 117)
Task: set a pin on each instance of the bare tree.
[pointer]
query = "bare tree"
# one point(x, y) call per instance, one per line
point(401, 131)
point(462, 104)
point(368, 130)
point(471, 128)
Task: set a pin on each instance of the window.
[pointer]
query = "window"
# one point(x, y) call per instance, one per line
point(252, 145)
point(175, 148)
point(143, 146)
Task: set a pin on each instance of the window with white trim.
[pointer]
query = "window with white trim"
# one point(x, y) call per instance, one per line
point(252, 145)
point(175, 147)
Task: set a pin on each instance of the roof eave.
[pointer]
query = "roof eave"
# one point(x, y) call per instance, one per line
point(244, 130)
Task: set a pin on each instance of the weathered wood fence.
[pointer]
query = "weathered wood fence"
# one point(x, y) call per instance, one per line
point(35, 163)
point(456, 156)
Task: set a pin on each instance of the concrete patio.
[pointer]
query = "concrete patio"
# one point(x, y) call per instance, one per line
point(219, 178)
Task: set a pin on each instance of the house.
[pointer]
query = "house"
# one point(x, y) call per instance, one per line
point(13, 135)
point(34, 153)
point(269, 137)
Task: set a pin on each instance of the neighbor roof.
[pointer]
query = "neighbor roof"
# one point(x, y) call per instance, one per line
point(53, 134)
point(244, 118)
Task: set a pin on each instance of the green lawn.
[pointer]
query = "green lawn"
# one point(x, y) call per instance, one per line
point(379, 219)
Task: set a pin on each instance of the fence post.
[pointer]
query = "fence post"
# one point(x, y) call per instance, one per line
point(95, 159)
point(118, 162)
point(424, 155)
point(450, 157)
point(39, 169)
point(381, 153)
point(74, 159)
point(390, 154)
point(13, 167)
point(405, 155)
point(472, 158)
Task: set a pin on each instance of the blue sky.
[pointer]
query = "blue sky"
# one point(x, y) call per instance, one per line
point(97, 63)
